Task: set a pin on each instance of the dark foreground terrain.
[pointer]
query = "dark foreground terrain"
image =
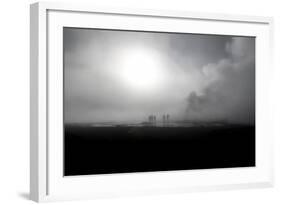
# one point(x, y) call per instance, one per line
point(103, 150)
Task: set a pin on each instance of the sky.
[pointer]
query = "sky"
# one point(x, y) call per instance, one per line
point(125, 76)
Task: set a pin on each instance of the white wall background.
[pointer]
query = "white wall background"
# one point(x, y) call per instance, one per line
point(14, 103)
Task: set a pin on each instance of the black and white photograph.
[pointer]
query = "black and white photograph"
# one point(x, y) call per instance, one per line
point(146, 101)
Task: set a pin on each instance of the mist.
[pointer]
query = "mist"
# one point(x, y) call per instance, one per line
point(199, 77)
point(230, 94)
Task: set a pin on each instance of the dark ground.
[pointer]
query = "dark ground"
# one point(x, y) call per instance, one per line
point(103, 150)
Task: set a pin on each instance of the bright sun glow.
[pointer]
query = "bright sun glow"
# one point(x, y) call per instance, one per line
point(141, 69)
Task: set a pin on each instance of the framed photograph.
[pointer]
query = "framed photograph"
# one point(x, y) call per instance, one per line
point(128, 102)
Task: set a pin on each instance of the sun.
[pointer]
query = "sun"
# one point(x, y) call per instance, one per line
point(141, 69)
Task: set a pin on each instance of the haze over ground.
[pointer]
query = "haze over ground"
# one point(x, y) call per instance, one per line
point(127, 76)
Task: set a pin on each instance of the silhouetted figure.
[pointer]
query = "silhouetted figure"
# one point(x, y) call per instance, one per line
point(150, 119)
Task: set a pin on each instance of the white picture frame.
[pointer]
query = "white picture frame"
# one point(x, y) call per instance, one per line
point(47, 182)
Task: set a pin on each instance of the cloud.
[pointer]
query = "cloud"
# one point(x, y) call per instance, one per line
point(229, 92)
point(214, 73)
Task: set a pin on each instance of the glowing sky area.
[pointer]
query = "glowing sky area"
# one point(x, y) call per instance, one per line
point(124, 76)
point(140, 69)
